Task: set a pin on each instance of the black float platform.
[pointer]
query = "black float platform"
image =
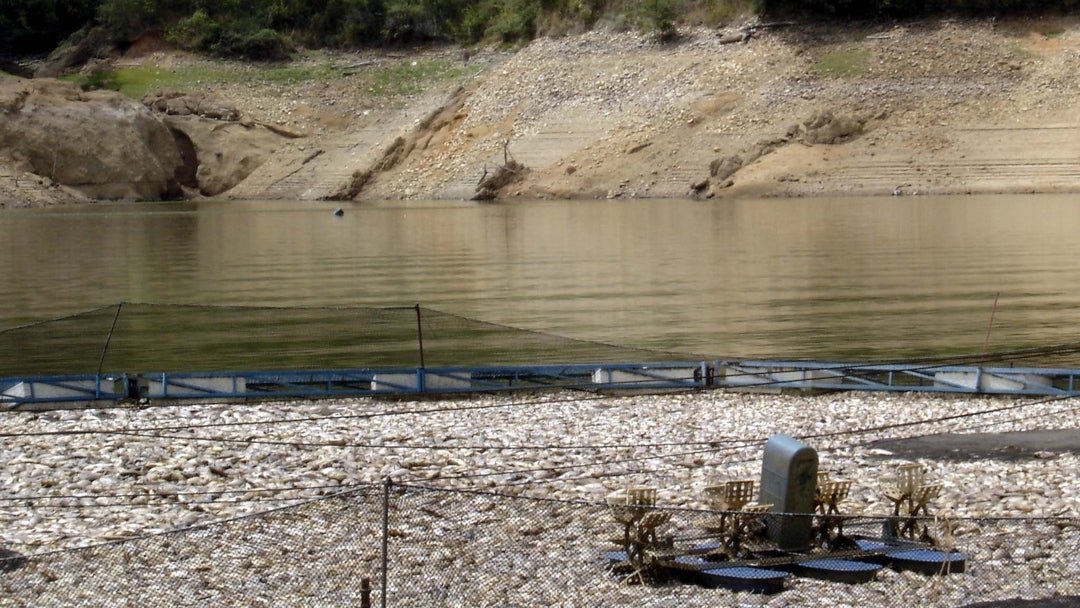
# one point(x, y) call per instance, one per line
point(926, 561)
point(837, 570)
point(744, 578)
point(698, 571)
point(923, 561)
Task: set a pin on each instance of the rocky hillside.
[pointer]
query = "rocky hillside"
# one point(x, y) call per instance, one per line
point(763, 109)
point(930, 107)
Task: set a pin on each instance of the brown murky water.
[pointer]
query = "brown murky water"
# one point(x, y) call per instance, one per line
point(835, 279)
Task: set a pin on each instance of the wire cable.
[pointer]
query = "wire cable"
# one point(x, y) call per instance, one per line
point(729, 446)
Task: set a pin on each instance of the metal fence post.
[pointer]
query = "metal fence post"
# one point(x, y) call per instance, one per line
point(385, 537)
point(420, 335)
point(105, 348)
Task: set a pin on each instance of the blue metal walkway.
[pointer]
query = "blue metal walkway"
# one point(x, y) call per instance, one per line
point(35, 393)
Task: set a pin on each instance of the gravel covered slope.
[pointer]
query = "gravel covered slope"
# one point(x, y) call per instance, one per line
point(939, 107)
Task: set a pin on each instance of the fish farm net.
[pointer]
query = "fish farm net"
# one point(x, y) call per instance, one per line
point(148, 338)
point(170, 338)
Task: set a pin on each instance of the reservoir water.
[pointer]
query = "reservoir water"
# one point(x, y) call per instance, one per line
point(831, 279)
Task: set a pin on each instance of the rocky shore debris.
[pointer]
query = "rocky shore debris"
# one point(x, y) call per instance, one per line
point(745, 33)
point(827, 128)
point(351, 190)
point(510, 172)
point(207, 105)
point(426, 131)
point(823, 128)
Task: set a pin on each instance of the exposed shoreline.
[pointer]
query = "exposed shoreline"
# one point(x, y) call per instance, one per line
point(933, 107)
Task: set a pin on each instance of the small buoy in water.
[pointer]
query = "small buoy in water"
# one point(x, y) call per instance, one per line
point(339, 212)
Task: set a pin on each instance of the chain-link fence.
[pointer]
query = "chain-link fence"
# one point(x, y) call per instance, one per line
point(398, 545)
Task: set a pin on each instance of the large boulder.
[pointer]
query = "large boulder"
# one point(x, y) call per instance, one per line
point(219, 155)
point(100, 143)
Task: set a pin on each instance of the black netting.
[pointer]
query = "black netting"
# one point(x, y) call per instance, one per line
point(269, 559)
point(145, 338)
point(71, 345)
point(453, 548)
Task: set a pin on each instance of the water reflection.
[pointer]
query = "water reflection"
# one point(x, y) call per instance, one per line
point(814, 278)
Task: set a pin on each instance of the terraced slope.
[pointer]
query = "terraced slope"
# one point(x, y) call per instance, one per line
point(945, 107)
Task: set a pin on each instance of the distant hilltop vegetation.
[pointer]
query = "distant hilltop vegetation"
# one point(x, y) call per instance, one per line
point(272, 29)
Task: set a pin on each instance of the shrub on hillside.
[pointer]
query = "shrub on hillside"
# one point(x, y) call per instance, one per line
point(350, 23)
point(201, 32)
point(659, 16)
point(515, 22)
point(126, 19)
point(257, 45)
point(196, 33)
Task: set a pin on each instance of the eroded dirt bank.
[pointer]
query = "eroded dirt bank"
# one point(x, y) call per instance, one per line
point(934, 107)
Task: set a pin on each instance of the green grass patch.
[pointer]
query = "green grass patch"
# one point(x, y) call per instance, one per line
point(842, 64)
point(409, 77)
point(137, 81)
point(403, 78)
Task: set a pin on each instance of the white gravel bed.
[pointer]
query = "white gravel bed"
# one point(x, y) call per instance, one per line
point(75, 478)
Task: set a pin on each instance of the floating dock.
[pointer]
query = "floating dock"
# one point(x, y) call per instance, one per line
point(98, 390)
